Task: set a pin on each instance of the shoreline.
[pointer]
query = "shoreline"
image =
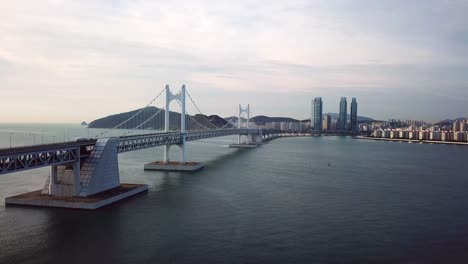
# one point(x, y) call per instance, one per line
point(414, 141)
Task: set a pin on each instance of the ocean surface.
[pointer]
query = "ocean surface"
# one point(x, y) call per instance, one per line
point(293, 200)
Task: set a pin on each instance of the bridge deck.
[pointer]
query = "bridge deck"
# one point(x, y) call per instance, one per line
point(30, 157)
point(46, 147)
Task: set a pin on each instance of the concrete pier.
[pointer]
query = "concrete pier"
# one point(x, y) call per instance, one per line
point(174, 166)
point(92, 202)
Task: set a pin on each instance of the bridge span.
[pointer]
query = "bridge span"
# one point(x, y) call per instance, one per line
point(88, 168)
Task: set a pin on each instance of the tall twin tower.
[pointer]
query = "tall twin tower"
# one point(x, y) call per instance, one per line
point(342, 123)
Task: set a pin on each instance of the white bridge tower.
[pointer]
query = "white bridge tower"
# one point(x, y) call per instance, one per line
point(169, 98)
point(239, 120)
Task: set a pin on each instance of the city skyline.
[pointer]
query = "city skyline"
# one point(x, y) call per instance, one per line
point(346, 121)
point(115, 55)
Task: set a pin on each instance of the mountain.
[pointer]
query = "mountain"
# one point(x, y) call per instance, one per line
point(262, 120)
point(156, 120)
point(450, 121)
point(359, 118)
point(198, 121)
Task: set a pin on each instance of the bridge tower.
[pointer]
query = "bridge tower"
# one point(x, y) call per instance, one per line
point(169, 98)
point(166, 164)
point(239, 121)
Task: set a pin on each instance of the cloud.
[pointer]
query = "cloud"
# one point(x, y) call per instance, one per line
point(116, 53)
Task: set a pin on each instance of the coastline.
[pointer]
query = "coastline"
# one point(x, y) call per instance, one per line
point(414, 141)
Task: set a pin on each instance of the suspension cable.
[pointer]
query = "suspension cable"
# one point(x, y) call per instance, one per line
point(133, 116)
point(142, 124)
point(196, 106)
point(191, 117)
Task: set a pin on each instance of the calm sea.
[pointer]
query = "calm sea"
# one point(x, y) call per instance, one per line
point(294, 200)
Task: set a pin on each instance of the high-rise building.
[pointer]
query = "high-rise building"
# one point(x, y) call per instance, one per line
point(326, 125)
point(317, 108)
point(354, 126)
point(343, 116)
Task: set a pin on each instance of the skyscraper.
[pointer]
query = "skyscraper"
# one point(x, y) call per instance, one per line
point(354, 126)
point(317, 108)
point(343, 116)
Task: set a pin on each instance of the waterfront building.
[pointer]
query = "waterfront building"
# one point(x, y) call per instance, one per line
point(458, 136)
point(364, 127)
point(443, 136)
point(326, 125)
point(463, 126)
point(403, 134)
point(456, 126)
point(434, 135)
point(343, 115)
point(385, 133)
point(378, 133)
point(450, 135)
point(416, 123)
point(354, 126)
point(423, 135)
point(334, 125)
point(317, 110)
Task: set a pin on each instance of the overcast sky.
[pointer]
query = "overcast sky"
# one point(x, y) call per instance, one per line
point(68, 61)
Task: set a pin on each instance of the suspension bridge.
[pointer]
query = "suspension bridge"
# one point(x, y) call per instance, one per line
point(84, 173)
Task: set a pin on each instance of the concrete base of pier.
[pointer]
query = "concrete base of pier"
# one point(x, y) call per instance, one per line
point(92, 202)
point(243, 146)
point(174, 166)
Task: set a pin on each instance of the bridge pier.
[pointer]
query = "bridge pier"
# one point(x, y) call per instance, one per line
point(53, 180)
point(253, 140)
point(64, 180)
point(93, 184)
point(166, 153)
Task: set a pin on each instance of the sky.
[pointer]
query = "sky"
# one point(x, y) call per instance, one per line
point(69, 61)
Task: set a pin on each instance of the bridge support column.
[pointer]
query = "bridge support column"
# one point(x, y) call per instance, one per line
point(53, 180)
point(166, 153)
point(64, 180)
point(76, 178)
point(182, 152)
point(251, 142)
point(182, 125)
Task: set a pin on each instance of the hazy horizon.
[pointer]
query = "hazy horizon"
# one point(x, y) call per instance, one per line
point(67, 62)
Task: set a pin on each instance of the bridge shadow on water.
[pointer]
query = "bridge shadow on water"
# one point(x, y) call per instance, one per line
point(167, 180)
point(221, 159)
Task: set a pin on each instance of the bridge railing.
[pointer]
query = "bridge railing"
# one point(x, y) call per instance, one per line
point(218, 133)
point(136, 142)
point(40, 158)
